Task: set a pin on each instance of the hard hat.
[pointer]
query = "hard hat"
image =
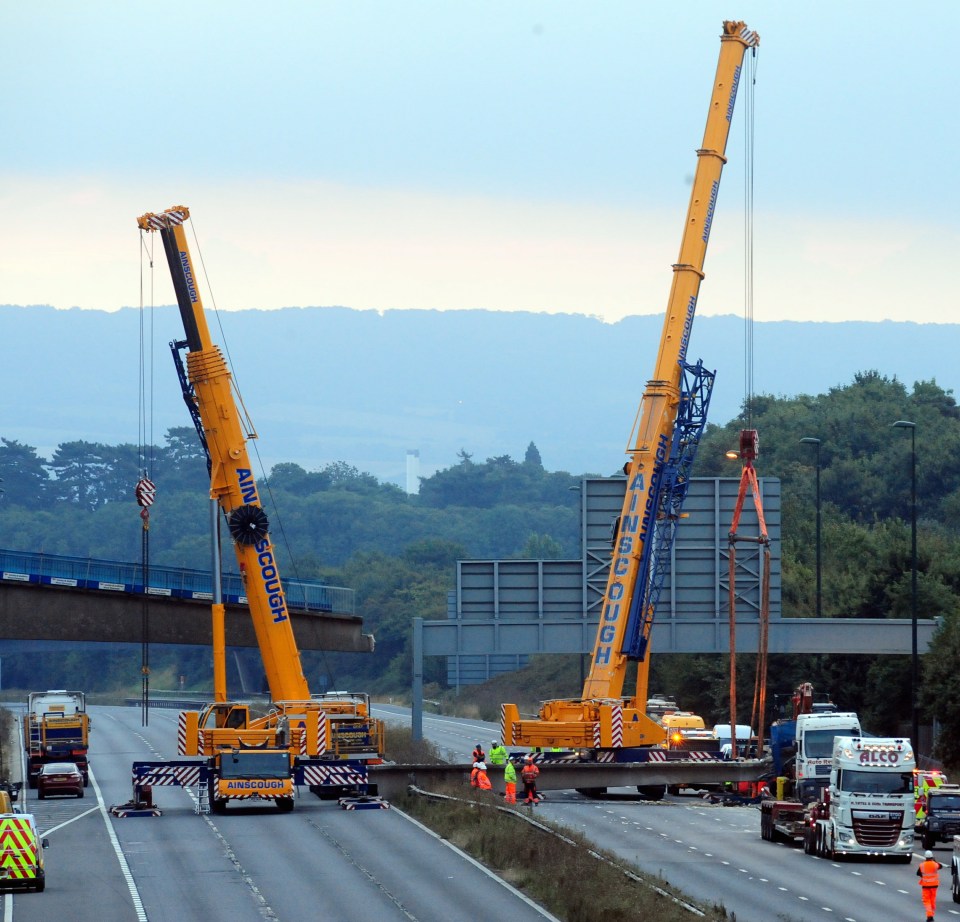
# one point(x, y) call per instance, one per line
point(494, 742)
point(529, 758)
point(481, 766)
point(928, 854)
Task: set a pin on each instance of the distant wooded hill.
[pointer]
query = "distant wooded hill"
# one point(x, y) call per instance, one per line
point(329, 384)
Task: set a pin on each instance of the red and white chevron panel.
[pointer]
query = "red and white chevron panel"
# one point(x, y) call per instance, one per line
point(596, 735)
point(170, 776)
point(333, 774)
point(616, 725)
point(321, 734)
point(18, 848)
point(661, 755)
point(503, 724)
point(605, 756)
point(181, 733)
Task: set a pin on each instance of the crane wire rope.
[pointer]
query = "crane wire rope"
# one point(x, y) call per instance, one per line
point(748, 236)
point(758, 709)
point(145, 490)
point(251, 433)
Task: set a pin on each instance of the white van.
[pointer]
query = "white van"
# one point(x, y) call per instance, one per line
point(721, 732)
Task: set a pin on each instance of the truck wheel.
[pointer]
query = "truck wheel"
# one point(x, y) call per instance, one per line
point(956, 888)
point(218, 805)
point(652, 791)
point(928, 841)
point(41, 884)
point(807, 843)
point(284, 804)
point(765, 827)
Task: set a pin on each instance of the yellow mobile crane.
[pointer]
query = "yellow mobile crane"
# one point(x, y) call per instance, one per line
point(604, 723)
point(325, 742)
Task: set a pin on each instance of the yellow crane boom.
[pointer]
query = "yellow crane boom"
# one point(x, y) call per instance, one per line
point(602, 718)
point(232, 482)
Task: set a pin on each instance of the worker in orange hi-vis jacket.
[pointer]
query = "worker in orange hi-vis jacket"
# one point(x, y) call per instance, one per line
point(929, 881)
point(529, 774)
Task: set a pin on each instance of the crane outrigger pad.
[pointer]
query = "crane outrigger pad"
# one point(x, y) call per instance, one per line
point(364, 802)
point(132, 808)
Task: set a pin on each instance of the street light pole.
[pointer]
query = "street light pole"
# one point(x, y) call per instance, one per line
point(914, 665)
point(812, 441)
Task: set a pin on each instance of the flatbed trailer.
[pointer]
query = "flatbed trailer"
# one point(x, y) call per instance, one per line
point(783, 821)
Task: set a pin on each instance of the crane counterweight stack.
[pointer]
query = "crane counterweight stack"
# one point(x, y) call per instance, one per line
point(670, 421)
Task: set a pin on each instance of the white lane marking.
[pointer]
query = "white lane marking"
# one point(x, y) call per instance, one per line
point(543, 912)
point(118, 851)
point(72, 819)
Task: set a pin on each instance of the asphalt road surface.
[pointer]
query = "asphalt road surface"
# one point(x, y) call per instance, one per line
point(715, 853)
point(249, 865)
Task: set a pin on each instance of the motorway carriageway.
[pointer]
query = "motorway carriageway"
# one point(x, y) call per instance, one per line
point(714, 853)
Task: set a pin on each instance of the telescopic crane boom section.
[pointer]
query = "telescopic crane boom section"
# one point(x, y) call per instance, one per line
point(232, 482)
point(670, 419)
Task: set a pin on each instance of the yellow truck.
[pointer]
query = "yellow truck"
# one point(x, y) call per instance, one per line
point(21, 853)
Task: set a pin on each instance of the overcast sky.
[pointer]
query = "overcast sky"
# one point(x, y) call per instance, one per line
point(447, 154)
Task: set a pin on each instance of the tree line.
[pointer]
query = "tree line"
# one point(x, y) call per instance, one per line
point(398, 551)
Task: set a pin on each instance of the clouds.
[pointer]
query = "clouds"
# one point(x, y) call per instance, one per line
point(530, 155)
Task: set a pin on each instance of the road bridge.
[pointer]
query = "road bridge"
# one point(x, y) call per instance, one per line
point(49, 597)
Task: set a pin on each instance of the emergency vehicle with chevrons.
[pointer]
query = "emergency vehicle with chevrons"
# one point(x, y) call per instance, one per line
point(21, 853)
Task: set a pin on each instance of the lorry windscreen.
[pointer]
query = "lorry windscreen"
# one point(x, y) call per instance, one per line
point(875, 782)
point(255, 765)
point(945, 801)
point(818, 744)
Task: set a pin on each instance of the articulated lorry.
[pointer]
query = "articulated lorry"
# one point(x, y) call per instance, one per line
point(56, 730)
point(866, 808)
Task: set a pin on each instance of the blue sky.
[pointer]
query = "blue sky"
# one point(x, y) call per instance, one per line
point(499, 155)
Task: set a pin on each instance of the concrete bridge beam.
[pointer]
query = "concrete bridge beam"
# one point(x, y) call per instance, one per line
point(37, 612)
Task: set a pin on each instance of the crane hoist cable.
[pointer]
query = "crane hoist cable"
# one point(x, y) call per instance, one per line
point(145, 490)
point(748, 452)
point(276, 518)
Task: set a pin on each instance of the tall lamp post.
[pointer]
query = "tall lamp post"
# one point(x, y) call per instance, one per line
point(812, 441)
point(914, 665)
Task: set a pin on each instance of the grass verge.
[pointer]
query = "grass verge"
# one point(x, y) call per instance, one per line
point(558, 869)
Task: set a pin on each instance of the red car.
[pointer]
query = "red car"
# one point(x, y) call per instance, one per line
point(59, 778)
